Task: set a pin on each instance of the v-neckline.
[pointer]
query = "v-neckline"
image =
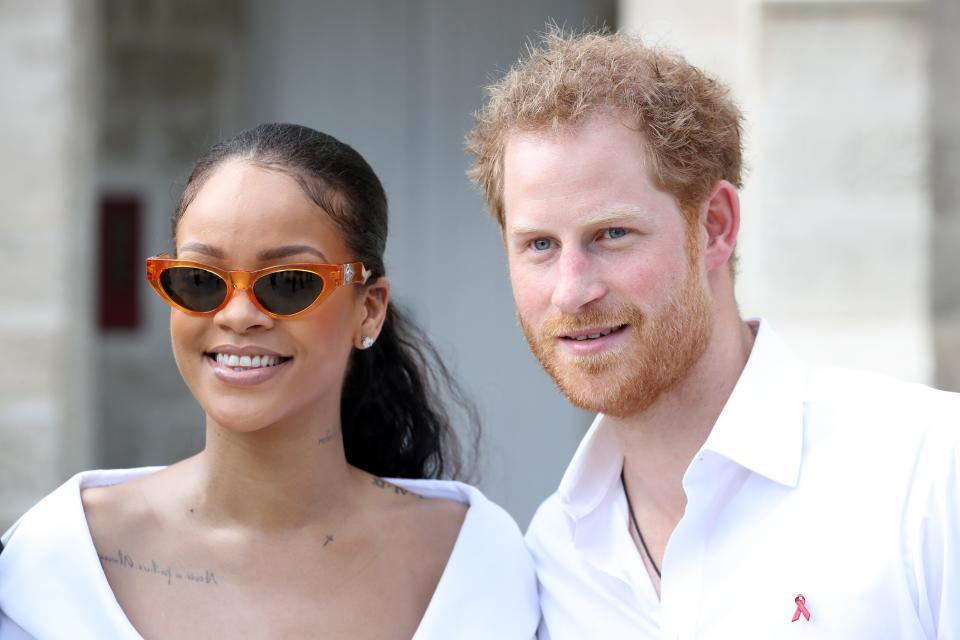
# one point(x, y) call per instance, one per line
point(104, 592)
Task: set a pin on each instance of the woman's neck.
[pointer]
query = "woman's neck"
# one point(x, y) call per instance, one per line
point(280, 476)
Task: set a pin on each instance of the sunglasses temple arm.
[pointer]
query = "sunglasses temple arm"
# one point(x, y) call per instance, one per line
point(348, 273)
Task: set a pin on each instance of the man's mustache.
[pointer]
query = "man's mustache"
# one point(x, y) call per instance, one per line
point(560, 324)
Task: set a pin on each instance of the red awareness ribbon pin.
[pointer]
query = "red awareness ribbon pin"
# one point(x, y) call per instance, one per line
point(801, 608)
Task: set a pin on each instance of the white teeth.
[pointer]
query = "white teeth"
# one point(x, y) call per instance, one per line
point(247, 362)
point(594, 336)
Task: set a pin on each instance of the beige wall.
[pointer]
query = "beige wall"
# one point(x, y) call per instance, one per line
point(47, 128)
point(171, 73)
point(838, 208)
point(944, 21)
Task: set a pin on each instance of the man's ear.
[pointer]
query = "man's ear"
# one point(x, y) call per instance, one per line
point(372, 311)
point(720, 222)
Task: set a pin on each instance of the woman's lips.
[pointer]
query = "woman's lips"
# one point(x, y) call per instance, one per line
point(244, 375)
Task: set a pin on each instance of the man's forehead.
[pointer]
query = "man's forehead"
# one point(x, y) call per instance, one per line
point(531, 153)
point(595, 174)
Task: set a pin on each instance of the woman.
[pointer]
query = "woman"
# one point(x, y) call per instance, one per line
point(314, 390)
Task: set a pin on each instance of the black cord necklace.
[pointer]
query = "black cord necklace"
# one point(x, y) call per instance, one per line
point(633, 518)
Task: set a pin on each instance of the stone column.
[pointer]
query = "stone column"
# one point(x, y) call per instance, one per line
point(837, 211)
point(945, 181)
point(48, 126)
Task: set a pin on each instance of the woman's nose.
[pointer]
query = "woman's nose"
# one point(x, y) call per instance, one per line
point(241, 315)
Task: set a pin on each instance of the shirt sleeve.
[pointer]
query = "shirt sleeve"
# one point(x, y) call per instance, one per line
point(947, 499)
point(937, 538)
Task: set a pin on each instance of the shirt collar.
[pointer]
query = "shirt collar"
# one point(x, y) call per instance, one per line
point(594, 467)
point(761, 425)
point(760, 428)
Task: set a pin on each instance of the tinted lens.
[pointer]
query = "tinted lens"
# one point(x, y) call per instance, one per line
point(287, 292)
point(194, 289)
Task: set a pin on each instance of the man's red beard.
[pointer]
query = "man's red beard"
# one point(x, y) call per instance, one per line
point(627, 380)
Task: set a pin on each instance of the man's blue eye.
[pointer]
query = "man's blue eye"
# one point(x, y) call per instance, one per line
point(616, 232)
point(540, 244)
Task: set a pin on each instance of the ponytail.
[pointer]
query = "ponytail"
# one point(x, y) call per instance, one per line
point(392, 411)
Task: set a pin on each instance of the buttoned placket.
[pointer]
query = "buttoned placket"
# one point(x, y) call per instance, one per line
point(603, 538)
point(709, 483)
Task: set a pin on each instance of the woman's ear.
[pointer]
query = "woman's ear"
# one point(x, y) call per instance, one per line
point(372, 312)
point(720, 220)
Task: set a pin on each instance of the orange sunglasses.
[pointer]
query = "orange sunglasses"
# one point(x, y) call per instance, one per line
point(282, 291)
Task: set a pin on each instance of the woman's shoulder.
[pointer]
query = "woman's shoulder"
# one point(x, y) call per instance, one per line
point(61, 520)
point(45, 519)
point(49, 558)
point(485, 522)
point(489, 568)
point(478, 506)
point(115, 498)
point(59, 511)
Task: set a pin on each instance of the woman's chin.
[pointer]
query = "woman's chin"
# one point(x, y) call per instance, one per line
point(239, 419)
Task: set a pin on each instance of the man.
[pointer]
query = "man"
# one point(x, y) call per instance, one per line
point(726, 489)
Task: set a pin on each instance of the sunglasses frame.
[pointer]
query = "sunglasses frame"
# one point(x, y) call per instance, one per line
point(334, 276)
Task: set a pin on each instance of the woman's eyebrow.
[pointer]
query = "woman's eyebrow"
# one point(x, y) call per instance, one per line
point(199, 247)
point(270, 254)
point(289, 250)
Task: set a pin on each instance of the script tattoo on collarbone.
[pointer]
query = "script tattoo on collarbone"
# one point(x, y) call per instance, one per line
point(124, 560)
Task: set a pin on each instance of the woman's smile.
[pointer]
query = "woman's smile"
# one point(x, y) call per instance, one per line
point(245, 366)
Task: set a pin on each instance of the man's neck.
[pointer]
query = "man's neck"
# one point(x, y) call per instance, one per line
point(660, 442)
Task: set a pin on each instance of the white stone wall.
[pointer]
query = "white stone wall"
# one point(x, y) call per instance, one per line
point(47, 158)
point(837, 208)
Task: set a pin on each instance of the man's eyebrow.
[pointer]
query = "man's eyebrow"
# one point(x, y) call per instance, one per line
point(613, 216)
point(600, 218)
point(199, 247)
point(289, 250)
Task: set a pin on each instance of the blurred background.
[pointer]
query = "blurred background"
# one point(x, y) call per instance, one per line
point(851, 216)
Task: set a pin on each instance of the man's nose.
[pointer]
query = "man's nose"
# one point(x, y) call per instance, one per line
point(578, 282)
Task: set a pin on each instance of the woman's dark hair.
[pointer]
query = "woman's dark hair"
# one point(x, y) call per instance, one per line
point(393, 415)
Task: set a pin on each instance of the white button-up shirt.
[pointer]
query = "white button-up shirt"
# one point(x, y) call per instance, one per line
point(840, 486)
